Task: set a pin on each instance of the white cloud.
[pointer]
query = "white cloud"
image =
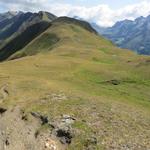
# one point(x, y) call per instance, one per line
point(103, 15)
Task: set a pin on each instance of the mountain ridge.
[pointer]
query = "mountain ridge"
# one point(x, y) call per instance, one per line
point(13, 45)
point(130, 34)
point(22, 24)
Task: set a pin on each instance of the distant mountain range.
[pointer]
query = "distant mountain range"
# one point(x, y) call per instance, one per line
point(18, 29)
point(8, 15)
point(134, 35)
point(14, 23)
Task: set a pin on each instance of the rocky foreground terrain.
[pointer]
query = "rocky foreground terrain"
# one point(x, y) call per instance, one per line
point(104, 127)
point(33, 131)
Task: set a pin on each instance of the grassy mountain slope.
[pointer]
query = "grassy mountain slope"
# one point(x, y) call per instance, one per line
point(65, 32)
point(78, 73)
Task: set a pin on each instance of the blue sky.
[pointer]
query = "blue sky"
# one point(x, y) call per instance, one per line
point(102, 12)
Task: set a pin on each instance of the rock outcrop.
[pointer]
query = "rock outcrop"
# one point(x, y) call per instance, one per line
point(32, 131)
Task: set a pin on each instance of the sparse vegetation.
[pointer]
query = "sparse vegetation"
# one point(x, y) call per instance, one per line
point(79, 73)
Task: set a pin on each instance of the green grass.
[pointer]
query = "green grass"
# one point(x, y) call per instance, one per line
point(79, 66)
point(47, 41)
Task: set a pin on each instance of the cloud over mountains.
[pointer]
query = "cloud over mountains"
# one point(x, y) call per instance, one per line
point(102, 14)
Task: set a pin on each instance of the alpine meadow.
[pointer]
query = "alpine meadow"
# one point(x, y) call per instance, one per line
point(63, 86)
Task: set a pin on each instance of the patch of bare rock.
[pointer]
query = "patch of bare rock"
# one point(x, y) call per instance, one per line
point(34, 131)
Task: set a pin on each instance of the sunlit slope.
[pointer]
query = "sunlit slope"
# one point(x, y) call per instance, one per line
point(101, 95)
point(71, 37)
point(97, 63)
point(78, 73)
